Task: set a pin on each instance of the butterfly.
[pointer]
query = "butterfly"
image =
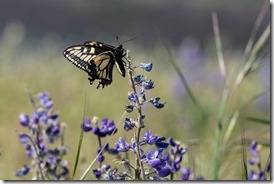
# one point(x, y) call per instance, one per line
point(97, 59)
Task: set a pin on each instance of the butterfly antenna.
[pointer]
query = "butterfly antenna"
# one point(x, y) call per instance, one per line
point(117, 39)
point(129, 40)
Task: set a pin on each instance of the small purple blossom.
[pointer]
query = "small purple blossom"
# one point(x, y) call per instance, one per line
point(253, 148)
point(97, 173)
point(160, 144)
point(148, 84)
point(86, 126)
point(24, 119)
point(163, 172)
point(23, 171)
point(129, 124)
point(132, 97)
point(155, 102)
point(138, 78)
point(150, 139)
point(24, 138)
point(185, 173)
point(147, 67)
point(45, 100)
point(122, 145)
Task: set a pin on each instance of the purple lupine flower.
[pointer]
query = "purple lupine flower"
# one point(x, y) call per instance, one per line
point(155, 102)
point(252, 175)
point(51, 162)
point(132, 97)
point(24, 138)
point(163, 172)
point(24, 119)
point(268, 167)
point(23, 171)
point(261, 176)
point(147, 67)
point(148, 138)
point(97, 173)
point(138, 78)
point(107, 127)
point(45, 100)
point(35, 117)
point(148, 84)
point(86, 126)
point(160, 144)
point(252, 161)
point(253, 148)
point(185, 173)
point(101, 158)
point(96, 130)
point(154, 158)
point(122, 145)
point(129, 124)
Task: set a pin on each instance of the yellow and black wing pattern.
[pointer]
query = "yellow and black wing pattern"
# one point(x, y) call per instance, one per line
point(97, 59)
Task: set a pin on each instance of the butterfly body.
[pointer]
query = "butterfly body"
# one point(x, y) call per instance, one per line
point(97, 59)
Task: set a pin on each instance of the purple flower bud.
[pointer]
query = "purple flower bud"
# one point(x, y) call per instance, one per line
point(24, 119)
point(101, 158)
point(148, 84)
point(97, 173)
point(132, 97)
point(147, 67)
point(128, 125)
point(185, 173)
point(163, 172)
point(23, 171)
point(155, 102)
point(86, 126)
point(138, 78)
point(24, 138)
point(253, 149)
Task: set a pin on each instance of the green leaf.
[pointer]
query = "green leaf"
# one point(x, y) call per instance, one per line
point(258, 120)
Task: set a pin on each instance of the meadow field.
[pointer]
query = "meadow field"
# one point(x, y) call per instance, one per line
point(216, 97)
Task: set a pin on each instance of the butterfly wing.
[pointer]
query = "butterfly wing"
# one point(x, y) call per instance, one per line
point(80, 55)
point(97, 59)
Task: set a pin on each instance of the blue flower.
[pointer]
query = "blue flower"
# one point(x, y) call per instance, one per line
point(138, 78)
point(163, 172)
point(252, 175)
point(132, 97)
point(147, 67)
point(253, 148)
point(268, 167)
point(155, 102)
point(97, 173)
point(161, 144)
point(148, 84)
point(24, 138)
point(185, 173)
point(86, 126)
point(148, 138)
point(128, 125)
point(24, 119)
point(122, 145)
point(45, 100)
point(154, 158)
point(23, 171)
point(142, 90)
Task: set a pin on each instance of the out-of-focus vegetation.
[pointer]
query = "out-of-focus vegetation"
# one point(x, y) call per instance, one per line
point(39, 65)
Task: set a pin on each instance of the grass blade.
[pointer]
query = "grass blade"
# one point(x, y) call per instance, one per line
point(78, 153)
point(218, 44)
point(258, 120)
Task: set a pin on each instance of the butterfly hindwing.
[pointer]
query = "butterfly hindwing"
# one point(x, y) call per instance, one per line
point(97, 59)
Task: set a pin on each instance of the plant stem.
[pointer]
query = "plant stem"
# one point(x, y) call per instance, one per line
point(139, 164)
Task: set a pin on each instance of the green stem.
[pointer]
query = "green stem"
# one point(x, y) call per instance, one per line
point(218, 133)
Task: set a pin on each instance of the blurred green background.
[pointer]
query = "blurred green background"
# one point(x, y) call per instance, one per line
point(33, 35)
